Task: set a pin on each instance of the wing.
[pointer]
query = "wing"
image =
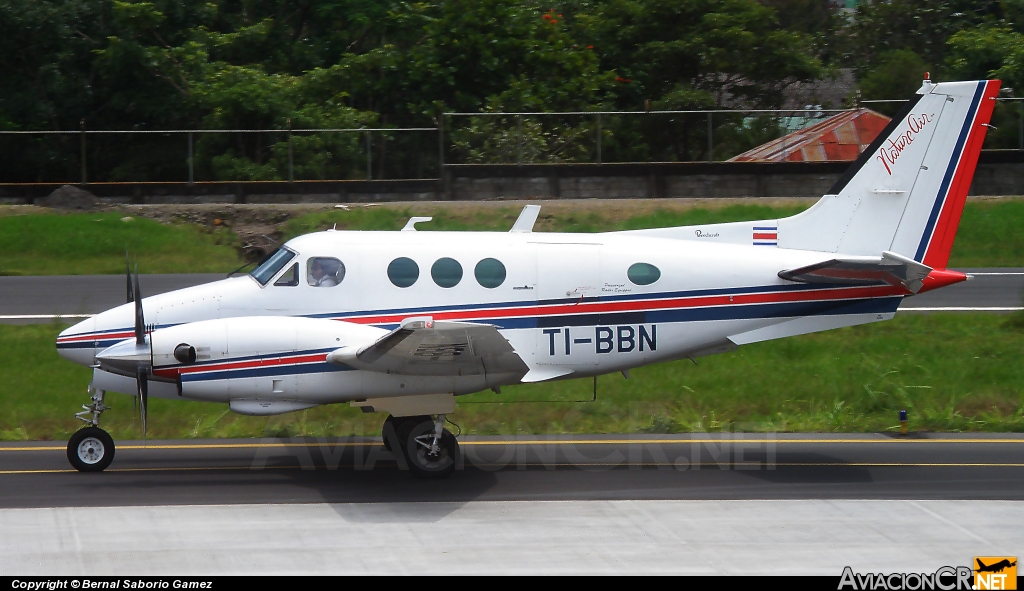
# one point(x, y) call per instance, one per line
point(890, 268)
point(423, 347)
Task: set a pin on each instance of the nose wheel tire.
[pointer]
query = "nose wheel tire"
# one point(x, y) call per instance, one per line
point(90, 450)
point(424, 462)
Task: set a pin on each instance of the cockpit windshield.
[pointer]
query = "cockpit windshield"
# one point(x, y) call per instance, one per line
point(272, 265)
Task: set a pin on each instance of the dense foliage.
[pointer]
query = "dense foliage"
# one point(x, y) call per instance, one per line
point(271, 64)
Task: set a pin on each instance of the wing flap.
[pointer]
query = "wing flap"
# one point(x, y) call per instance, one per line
point(420, 346)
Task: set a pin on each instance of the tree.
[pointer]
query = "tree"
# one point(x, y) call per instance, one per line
point(897, 75)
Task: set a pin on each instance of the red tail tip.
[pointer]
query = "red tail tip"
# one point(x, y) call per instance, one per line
point(941, 278)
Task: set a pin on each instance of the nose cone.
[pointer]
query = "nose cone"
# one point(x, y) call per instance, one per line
point(83, 341)
point(124, 358)
point(78, 343)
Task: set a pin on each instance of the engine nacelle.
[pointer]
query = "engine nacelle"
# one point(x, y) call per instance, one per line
point(257, 358)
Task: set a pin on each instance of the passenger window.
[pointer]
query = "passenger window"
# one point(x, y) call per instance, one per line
point(643, 273)
point(289, 278)
point(403, 272)
point(446, 272)
point(490, 273)
point(324, 271)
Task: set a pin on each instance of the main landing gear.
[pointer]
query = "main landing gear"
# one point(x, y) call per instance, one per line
point(430, 450)
point(91, 449)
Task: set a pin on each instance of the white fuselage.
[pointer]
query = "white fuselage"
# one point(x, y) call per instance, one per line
point(566, 305)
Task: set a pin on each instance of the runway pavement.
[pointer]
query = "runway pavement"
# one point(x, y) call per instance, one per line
point(701, 504)
point(40, 299)
point(736, 466)
point(991, 288)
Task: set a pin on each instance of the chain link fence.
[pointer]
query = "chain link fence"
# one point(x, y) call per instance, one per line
point(252, 155)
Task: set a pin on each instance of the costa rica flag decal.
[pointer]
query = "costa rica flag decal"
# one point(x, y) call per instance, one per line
point(766, 235)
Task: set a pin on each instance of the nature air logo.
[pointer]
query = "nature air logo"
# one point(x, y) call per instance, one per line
point(987, 572)
point(888, 154)
point(995, 572)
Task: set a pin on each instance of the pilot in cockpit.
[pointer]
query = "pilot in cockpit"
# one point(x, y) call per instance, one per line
point(325, 272)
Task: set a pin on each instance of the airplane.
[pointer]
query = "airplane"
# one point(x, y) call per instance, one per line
point(994, 568)
point(403, 322)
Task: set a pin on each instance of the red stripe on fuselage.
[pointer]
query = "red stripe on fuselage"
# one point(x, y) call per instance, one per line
point(772, 236)
point(644, 306)
point(96, 337)
point(174, 372)
point(584, 307)
point(937, 255)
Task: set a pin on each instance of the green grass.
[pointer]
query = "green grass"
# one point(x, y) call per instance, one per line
point(501, 219)
point(951, 372)
point(991, 234)
point(95, 243)
point(87, 243)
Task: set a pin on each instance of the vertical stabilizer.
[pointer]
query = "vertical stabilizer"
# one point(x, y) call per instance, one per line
point(906, 192)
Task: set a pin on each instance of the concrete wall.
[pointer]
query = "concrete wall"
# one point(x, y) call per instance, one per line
point(999, 173)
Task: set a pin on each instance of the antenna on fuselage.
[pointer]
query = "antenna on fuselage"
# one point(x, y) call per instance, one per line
point(410, 226)
point(528, 217)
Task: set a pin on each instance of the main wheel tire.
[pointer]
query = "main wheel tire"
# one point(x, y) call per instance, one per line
point(385, 434)
point(90, 450)
point(389, 433)
point(422, 463)
point(405, 425)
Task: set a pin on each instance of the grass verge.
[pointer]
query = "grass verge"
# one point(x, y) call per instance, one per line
point(95, 243)
point(500, 219)
point(87, 243)
point(951, 372)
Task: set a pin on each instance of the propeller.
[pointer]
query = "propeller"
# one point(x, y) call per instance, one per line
point(129, 358)
point(128, 277)
point(142, 369)
point(130, 290)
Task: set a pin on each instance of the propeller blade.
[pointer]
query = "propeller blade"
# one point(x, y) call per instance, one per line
point(128, 278)
point(140, 320)
point(142, 382)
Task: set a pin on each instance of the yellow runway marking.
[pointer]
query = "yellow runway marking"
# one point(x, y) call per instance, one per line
point(567, 465)
point(530, 442)
point(763, 440)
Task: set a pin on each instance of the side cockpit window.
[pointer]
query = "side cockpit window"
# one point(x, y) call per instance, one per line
point(272, 265)
point(324, 271)
point(289, 278)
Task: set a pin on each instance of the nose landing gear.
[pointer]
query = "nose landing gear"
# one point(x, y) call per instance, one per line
point(91, 449)
point(430, 450)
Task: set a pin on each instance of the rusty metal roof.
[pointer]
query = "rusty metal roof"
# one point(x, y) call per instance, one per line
point(840, 137)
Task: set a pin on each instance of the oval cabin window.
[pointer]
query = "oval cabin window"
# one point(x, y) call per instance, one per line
point(403, 272)
point(643, 273)
point(490, 273)
point(446, 272)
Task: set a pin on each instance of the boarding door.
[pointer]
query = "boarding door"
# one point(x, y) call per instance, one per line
point(568, 282)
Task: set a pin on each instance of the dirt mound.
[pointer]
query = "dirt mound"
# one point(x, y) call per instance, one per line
point(69, 197)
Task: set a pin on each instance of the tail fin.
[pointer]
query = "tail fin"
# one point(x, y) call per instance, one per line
point(906, 192)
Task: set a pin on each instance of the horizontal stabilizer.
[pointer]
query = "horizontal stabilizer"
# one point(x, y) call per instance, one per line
point(890, 268)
